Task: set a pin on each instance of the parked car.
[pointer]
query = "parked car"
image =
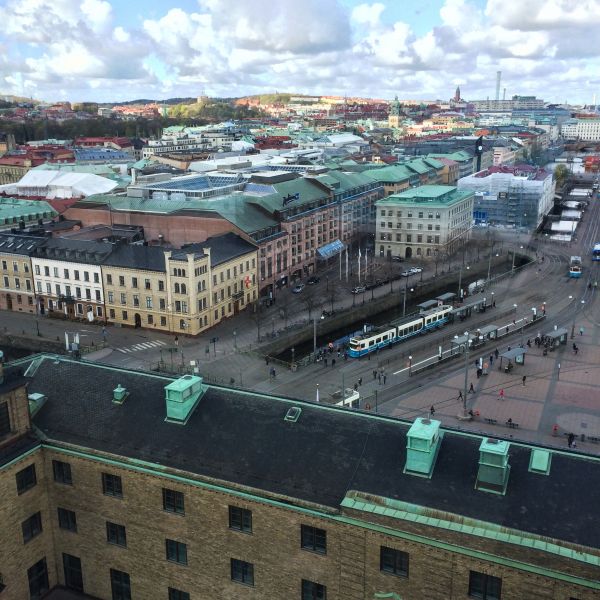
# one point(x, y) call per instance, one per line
point(297, 288)
point(407, 273)
point(359, 289)
point(397, 258)
point(415, 270)
point(327, 313)
point(313, 280)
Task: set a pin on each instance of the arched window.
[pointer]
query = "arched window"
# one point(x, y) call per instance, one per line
point(177, 288)
point(428, 251)
point(183, 288)
point(418, 251)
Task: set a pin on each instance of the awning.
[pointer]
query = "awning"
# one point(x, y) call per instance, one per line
point(331, 249)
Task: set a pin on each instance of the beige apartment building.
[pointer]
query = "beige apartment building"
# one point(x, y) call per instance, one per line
point(182, 291)
point(428, 222)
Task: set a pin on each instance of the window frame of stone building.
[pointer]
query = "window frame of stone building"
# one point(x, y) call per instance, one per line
point(175, 594)
point(176, 552)
point(116, 534)
point(120, 585)
point(112, 485)
point(26, 479)
point(310, 590)
point(5, 426)
point(173, 501)
point(32, 527)
point(67, 519)
point(62, 472)
point(37, 577)
point(73, 572)
point(479, 584)
point(242, 572)
point(240, 519)
point(310, 537)
point(393, 561)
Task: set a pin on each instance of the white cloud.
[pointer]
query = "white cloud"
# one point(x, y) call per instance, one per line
point(234, 47)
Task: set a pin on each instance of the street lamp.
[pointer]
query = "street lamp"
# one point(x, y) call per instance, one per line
point(409, 366)
point(460, 294)
point(574, 317)
point(467, 340)
point(235, 339)
point(404, 300)
point(293, 354)
point(490, 267)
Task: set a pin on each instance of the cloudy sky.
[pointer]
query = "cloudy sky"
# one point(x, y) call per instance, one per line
point(124, 49)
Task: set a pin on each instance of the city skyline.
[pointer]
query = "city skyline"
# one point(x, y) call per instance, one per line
point(108, 51)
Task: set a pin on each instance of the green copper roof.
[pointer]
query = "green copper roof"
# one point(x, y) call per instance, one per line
point(13, 210)
point(431, 195)
point(390, 174)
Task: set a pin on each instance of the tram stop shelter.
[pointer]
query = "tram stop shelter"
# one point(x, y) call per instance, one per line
point(514, 356)
point(466, 310)
point(489, 332)
point(459, 341)
point(427, 305)
point(447, 298)
point(555, 338)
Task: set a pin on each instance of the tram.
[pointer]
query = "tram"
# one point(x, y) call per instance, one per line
point(575, 267)
point(408, 327)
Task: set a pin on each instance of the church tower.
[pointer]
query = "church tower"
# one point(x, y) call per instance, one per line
point(394, 117)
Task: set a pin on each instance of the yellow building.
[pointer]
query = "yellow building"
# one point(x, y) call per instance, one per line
point(17, 291)
point(184, 291)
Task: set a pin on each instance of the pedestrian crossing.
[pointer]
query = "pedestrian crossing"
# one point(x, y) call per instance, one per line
point(142, 346)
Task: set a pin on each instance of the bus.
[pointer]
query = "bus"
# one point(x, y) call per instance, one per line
point(575, 267)
point(596, 252)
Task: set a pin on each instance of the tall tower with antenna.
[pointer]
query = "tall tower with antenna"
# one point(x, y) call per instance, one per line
point(498, 81)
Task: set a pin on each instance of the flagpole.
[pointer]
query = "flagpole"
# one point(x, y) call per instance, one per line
point(359, 257)
point(346, 264)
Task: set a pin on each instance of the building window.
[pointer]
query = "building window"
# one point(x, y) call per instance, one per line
point(38, 579)
point(67, 519)
point(163, 321)
point(178, 594)
point(73, 573)
point(4, 420)
point(173, 501)
point(313, 538)
point(120, 585)
point(111, 485)
point(122, 280)
point(109, 279)
point(62, 472)
point(393, 561)
point(176, 552)
point(161, 286)
point(240, 519)
point(136, 300)
point(242, 571)
point(116, 534)
point(26, 479)
point(484, 586)
point(147, 284)
point(32, 527)
point(124, 315)
point(313, 591)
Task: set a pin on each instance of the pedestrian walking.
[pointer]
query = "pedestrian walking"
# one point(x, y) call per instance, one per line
point(379, 378)
point(501, 395)
point(374, 374)
point(104, 333)
point(333, 362)
point(570, 440)
point(360, 381)
point(496, 353)
point(267, 360)
point(471, 389)
point(384, 378)
point(176, 341)
point(581, 331)
point(431, 411)
point(491, 359)
point(325, 361)
point(355, 387)
point(524, 379)
point(460, 396)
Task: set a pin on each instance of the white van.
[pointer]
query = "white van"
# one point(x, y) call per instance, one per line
point(477, 286)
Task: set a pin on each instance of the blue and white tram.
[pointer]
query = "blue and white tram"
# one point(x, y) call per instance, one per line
point(575, 267)
point(413, 325)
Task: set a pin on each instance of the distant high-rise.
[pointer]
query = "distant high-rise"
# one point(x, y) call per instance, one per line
point(498, 80)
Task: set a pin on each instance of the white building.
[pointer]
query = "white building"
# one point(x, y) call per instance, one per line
point(68, 278)
point(586, 130)
point(510, 196)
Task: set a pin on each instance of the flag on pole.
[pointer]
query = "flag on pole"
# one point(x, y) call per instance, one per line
point(317, 392)
point(359, 257)
point(346, 263)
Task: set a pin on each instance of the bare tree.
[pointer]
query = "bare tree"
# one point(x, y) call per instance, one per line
point(309, 299)
point(332, 294)
point(258, 316)
point(283, 302)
